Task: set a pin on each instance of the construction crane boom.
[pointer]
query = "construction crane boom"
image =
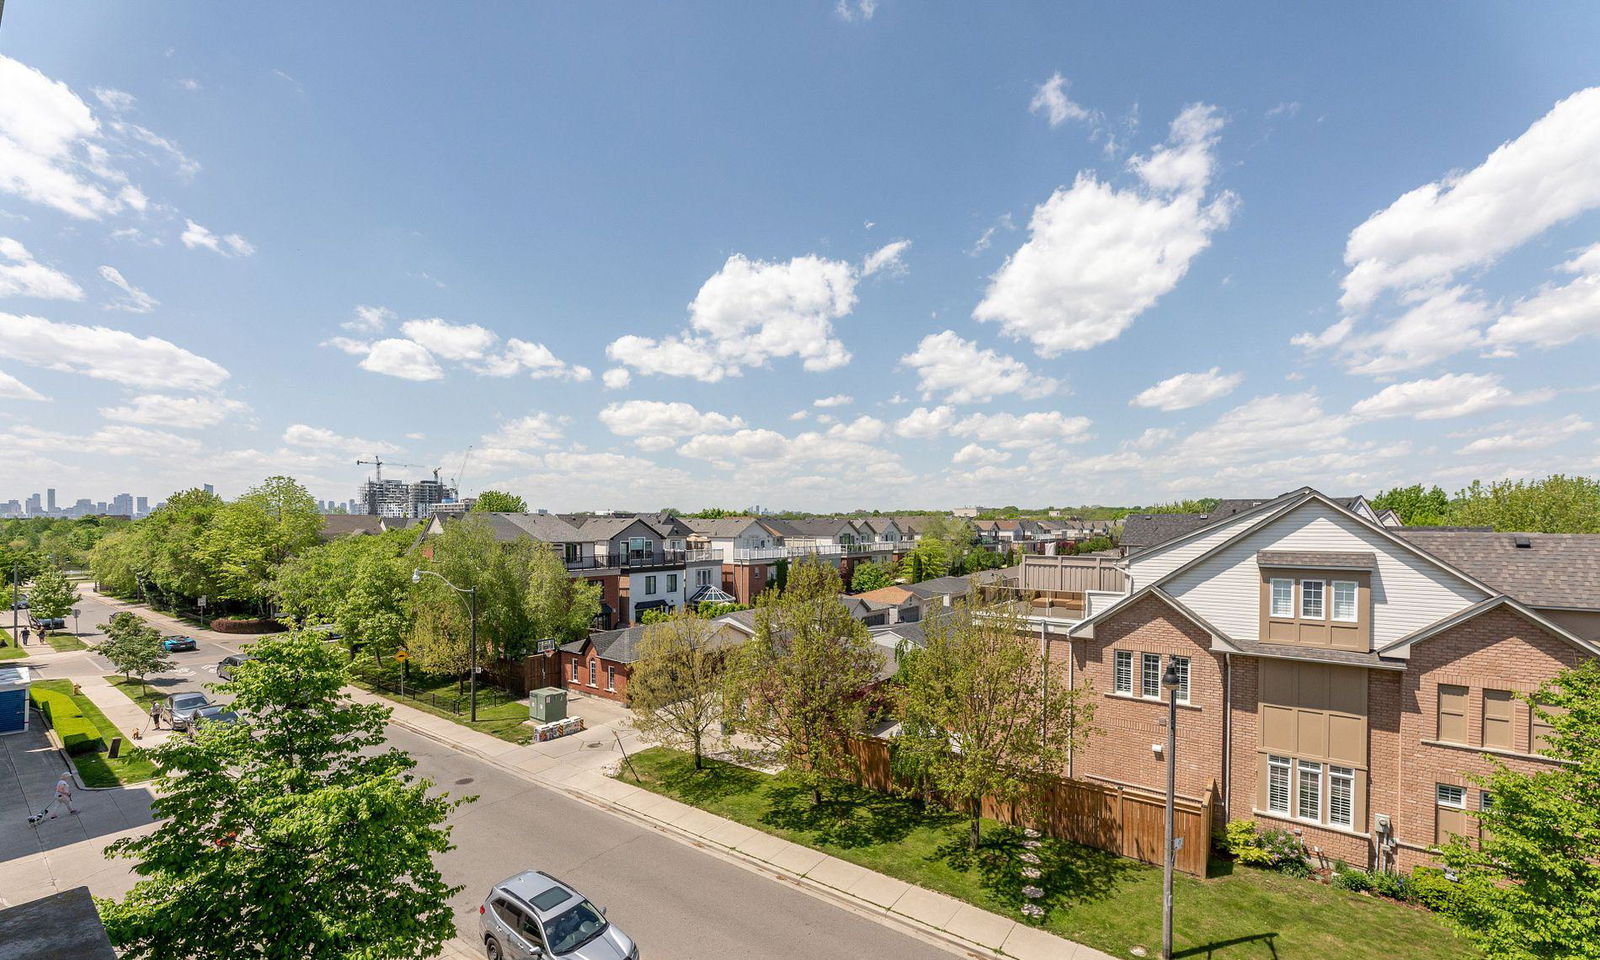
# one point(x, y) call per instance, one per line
point(378, 462)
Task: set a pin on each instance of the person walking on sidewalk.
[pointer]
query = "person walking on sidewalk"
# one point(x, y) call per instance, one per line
point(63, 794)
point(24, 636)
point(155, 715)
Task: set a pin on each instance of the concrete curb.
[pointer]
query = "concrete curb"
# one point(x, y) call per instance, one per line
point(865, 908)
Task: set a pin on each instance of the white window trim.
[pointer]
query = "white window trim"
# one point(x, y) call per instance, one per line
point(1182, 693)
point(1439, 800)
point(611, 678)
point(1301, 769)
point(1333, 604)
point(650, 586)
point(1286, 765)
point(1272, 599)
point(1346, 775)
point(1324, 601)
point(1144, 662)
point(1118, 659)
point(594, 673)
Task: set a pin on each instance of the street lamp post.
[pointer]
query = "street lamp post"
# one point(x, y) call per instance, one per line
point(16, 598)
point(472, 613)
point(1169, 680)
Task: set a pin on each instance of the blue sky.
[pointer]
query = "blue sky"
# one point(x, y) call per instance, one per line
point(1026, 253)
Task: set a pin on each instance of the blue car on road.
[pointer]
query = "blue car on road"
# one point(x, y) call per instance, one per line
point(175, 644)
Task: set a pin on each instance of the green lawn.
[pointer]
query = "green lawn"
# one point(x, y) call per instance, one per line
point(145, 696)
point(1093, 897)
point(498, 714)
point(98, 769)
point(12, 652)
point(64, 641)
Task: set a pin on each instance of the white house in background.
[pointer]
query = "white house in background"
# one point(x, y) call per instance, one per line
point(726, 535)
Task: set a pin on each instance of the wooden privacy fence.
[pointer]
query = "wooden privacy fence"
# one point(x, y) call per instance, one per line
point(1123, 820)
point(1071, 574)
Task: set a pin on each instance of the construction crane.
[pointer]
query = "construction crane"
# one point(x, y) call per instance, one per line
point(455, 481)
point(378, 462)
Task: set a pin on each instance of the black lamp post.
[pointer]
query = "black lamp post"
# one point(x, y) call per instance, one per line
point(472, 613)
point(1169, 680)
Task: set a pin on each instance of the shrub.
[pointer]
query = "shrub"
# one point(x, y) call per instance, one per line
point(1356, 881)
point(1428, 887)
point(78, 733)
point(1390, 885)
point(1275, 849)
point(1242, 841)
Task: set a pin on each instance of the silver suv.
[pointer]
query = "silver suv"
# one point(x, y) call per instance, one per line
point(535, 915)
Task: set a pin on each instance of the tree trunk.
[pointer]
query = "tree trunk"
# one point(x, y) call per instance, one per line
point(816, 796)
point(977, 821)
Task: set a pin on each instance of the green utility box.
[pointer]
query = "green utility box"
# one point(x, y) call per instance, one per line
point(547, 704)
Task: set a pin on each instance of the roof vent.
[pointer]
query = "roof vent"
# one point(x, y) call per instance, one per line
point(1522, 543)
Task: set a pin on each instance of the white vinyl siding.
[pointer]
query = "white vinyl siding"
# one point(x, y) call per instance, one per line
point(1224, 589)
point(1311, 599)
point(1124, 676)
point(1309, 792)
point(1341, 797)
point(1282, 597)
point(1150, 675)
point(1278, 784)
point(1150, 565)
point(1344, 601)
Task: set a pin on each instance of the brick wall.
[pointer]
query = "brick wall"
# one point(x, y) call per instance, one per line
point(581, 685)
point(1120, 751)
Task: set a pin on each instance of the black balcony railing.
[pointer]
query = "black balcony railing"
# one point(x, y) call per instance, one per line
point(635, 559)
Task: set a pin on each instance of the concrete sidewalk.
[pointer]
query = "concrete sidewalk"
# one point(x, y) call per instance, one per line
point(582, 768)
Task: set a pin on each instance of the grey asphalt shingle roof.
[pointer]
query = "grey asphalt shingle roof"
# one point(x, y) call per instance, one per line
point(622, 646)
point(823, 527)
point(1141, 530)
point(605, 528)
point(721, 527)
point(1554, 570)
point(537, 526)
point(1354, 560)
point(942, 587)
point(336, 525)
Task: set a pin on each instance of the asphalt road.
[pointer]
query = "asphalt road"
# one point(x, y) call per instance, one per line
point(676, 900)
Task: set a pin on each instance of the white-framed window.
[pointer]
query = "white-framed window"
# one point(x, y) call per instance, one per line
point(593, 665)
point(573, 552)
point(611, 678)
point(672, 583)
point(1341, 796)
point(1309, 792)
point(637, 545)
point(1311, 599)
point(1282, 597)
point(702, 577)
point(1450, 796)
point(574, 671)
point(1124, 672)
point(1278, 784)
point(1344, 601)
point(1485, 800)
point(1150, 675)
point(1182, 665)
point(649, 585)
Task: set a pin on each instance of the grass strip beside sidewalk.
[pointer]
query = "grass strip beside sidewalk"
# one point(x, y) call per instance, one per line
point(62, 642)
point(1091, 896)
point(97, 768)
point(499, 714)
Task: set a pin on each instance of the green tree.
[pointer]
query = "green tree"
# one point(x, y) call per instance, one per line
point(1555, 504)
point(292, 835)
point(1415, 505)
point(133, 647)
point(930, 558)
point(1202, 505)
point(871, 576)
point(559, 605)
point(1529, 886)
point(675, 687)
point(983, 558)
point(1093, 545)
point(245, 541)
point(51, 595)
point(467, 554)
point(797, 685)
point(360, 584)
point(499, 501)
point(986, 714)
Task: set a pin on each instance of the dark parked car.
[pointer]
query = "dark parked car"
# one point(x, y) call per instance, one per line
point(50, 623)
point(213, 713)
point(176, 644)
point(181, 709)
point(225, 668)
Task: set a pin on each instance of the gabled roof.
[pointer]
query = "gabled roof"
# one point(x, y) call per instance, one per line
point(942, 587)
point(622, 646)
point(721, 527)
point(1079, 629)
point(666, 525)
point(892, 596)
point(1553, 570)
point(913, 524)
point(608, 528)
point(779, 527)
point(535, 526)
point(1402, 646)
point(336, 525)
point(823, 526)
point(1144, 530)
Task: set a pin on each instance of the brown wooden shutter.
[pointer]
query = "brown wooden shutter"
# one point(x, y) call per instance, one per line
point(1498, 713)
point(1452, 713)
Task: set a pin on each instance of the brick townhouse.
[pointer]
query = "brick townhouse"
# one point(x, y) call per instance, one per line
point(1339, 678)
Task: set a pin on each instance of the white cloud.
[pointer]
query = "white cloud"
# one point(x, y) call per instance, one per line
point(398, 357)
point(117, 101)
point(133, 300)
point(538, 361)
point(321, 438)
point(799, 415)
point(13, 389)
point(837, 400)
point(160, 410)
point(1530, 436)
point(370, 319)
point(1451, 395)
point(137, 136)
point(1549, 174)
point(1051, 98)
point(985, 240)
point(450, 341)
point(841, 444)
point(189, 83)
point(967, 373)
point(888, 258)
point(851, 11)
point(616, 378)
point(1096, 256)
point(105, 354)
point(1011, 430)
point(974, 455)
point(1555, 315)
point(753, 311)
point(514, 443)
point(1188, 390)
point(659, 424)
point(231, 245)
point(922, 422)
point(23, 276)
point(50, 149)
point(1273, 425)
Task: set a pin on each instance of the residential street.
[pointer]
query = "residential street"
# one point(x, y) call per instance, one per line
point(676, 900)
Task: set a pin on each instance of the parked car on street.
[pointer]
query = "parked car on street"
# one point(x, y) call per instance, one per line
point(534, 915)
point(176, 644)
point(49, 623)
point(180, 709)
point(225, 668)
point(213, 713)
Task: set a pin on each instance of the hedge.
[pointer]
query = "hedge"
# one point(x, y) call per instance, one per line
point(225, 625)
point(79, 734)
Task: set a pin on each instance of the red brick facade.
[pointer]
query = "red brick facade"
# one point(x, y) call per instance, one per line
point(585, 661)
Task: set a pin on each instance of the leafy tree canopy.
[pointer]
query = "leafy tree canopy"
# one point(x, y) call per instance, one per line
point(1415, 505)
point(51, 595)
point(871, 576)
point(1555, 504)
point(499, 501)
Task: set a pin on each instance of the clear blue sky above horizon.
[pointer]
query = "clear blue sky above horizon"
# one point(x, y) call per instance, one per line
point(806, 256)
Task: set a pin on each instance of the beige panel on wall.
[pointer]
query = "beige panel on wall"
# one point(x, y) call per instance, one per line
point(1311, 733)
point(1347, 740)
point(1452, 713)
point(1451, 820)
point(1277, 729)
point(1314, 680)
point(1539, 731)
point(1277, 682)
point(1499, 714)
point(1347, 690)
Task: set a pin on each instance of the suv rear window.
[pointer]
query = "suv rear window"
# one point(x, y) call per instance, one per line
point(551, 899)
